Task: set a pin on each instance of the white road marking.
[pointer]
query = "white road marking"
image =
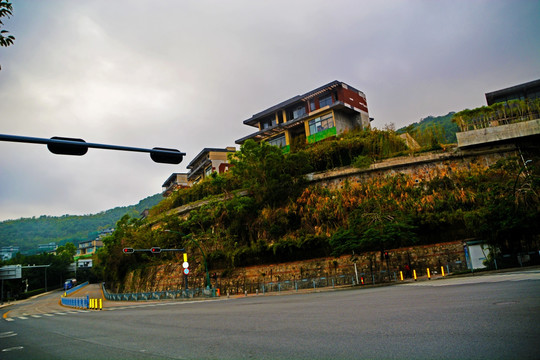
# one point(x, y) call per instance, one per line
point(12, 348)
point(7, 334)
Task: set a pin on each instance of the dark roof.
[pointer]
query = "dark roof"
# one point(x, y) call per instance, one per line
point(521, 89)
point(171, 178)
point(204, 151)
point(253, 120)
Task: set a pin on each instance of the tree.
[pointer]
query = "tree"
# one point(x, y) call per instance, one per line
point(270, 176)
point(6, 10)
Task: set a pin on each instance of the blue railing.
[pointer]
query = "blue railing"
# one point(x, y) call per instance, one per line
point(78, 302)
point(67, 292)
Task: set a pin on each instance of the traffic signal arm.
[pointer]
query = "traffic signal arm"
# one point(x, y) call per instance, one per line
point(153, 250)
point(69, 146)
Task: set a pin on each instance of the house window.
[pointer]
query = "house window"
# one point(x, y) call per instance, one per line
point(312, 105)
point(265, 124)
point(277, 141)
point(208, 171)
point(299, 111)
point(325, 100)
point(321, 123)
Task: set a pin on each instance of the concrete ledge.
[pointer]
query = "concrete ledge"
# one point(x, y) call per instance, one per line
point(498, 133)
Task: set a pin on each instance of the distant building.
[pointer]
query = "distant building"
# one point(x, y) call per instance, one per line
point(47, 248)
point(316, 115)
point(209, 160)
point(174, 182)
point(528, 90)
point(7, 252)
point(89, 248)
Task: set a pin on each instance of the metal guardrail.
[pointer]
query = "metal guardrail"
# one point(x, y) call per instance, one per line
point(157, 295)
point(79, 302)
point(73, 289)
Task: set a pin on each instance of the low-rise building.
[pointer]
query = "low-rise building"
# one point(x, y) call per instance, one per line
point(209, 160)
point(528, 90)
point(47, 248)
point(7, 252)
point(174, 182)
point(316, 115)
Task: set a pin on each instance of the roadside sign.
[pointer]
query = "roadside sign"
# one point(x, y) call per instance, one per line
point(186, 271)
point(10, 272)
point(185, 264)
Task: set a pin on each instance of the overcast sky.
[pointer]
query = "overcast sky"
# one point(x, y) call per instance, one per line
point(185, 74)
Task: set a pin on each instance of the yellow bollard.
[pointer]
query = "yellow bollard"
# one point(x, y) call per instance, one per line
point(442, 271)
point(414, 274)
point(401, 275)
point(100, 307)
point(91, 303)
point(428, 274)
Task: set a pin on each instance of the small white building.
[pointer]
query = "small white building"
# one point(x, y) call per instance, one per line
point(476, 252)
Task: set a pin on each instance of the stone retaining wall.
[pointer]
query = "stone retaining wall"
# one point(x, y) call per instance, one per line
point(370, 265)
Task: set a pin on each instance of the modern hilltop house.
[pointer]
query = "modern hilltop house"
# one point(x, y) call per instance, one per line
point(318, 114)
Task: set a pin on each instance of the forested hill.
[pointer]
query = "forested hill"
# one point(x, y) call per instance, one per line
point(441, 127)
point(28, 233)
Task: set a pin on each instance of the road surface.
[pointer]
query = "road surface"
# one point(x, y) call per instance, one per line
point(484, 317)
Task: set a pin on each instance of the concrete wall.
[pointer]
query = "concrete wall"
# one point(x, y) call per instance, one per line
point(498, 133)
point(420, 167)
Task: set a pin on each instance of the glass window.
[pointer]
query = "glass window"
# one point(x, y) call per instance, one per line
point(208, 170)
point(321, 123)
point(311, 105)
point(325, 100)
point(277, 141)
point(299, 111)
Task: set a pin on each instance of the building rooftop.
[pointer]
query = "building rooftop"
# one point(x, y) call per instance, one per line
point(254, 119)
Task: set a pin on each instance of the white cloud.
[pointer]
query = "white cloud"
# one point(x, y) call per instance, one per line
point(186, 74)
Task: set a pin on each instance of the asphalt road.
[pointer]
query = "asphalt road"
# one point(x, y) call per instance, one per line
point(485, 317)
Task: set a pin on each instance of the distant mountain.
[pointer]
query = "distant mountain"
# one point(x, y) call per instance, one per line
point(441, 125)
point(28, 233)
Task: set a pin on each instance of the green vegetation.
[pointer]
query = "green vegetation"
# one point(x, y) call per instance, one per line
point(6, 10)
point(28, 233)
point(498, 114)
point(57, 272)
point(433, 130)
point(278, 218)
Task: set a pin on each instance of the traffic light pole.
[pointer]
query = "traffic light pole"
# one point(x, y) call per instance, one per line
point(202, 252)
point(78, 147)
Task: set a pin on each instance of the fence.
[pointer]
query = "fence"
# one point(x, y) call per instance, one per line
point(243, 286)
point(80, 302)
point(158, 295)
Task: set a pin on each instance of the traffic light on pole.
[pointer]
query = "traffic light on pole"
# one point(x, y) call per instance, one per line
point(155, 250)
point(67, 146)
point(128, 250)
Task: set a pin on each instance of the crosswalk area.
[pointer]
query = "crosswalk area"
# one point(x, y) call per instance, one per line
point(38, 316)
point(82, 311)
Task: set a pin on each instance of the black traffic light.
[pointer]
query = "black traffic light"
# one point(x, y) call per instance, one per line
point(172, 157)
point(128, 250)
point(386, 255)
point(155, 250)
point(67, 146)
point(70, 146)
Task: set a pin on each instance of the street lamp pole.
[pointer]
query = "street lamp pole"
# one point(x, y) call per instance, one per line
point(202, 252)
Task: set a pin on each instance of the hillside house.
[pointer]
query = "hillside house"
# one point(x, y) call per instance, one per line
point(174, 182)
point(209, 160)
point(316, 115)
